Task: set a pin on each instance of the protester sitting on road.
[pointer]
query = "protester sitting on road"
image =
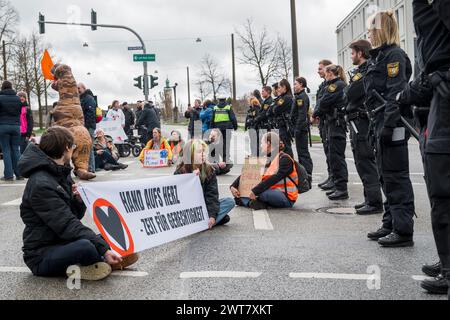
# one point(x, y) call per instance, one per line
point(195, 161)
point(55, 240)
point(106, 153)
point(26, 121)
point(176, 145)
point(278, 187)
point(215, 144)
point(157, 143)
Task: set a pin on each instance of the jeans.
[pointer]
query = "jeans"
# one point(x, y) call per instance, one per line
point(272, 198)
point(57, 259)
point(226, 205)
point(92, 155)
point(104, 158)
point(10, 142)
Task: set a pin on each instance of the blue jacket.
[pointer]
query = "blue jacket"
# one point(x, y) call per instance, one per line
point(206, 117)
point(10, 108)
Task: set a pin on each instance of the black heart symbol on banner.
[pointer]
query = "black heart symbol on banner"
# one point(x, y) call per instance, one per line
point(112, 224)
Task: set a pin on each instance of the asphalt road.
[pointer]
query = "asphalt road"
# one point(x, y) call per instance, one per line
point(301, 253)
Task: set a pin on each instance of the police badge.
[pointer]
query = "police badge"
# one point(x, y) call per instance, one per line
point(393, 69)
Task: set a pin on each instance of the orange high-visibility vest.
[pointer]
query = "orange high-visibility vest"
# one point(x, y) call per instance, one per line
point(286, 186)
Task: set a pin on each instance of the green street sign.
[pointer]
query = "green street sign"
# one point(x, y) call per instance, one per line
point(144, 57)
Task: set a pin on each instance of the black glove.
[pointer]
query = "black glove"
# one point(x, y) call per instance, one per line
point(386, 135)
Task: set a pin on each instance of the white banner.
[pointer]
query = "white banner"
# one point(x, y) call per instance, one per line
point(113, 128)
point(133, 216)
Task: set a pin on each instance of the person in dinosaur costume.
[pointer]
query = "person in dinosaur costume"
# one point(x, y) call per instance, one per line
point(68, 114)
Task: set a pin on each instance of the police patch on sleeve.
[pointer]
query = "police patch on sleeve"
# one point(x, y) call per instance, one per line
point(332, 88)
point(300, 103)
point(280, 102)
point(266, 106)
point(393, 69)
point(357, 77)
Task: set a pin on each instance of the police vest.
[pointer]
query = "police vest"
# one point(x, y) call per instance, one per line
point(287, 186)
point(222, 114)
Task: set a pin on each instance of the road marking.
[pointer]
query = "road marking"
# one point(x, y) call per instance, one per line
point(124, 273)
point(350, 159)
point(339, 276)
point(14, 270)
point(129, 162)
point(16, 202)
point(13, 185)
point(261, 220)
point(219, 274)
point(421, 278)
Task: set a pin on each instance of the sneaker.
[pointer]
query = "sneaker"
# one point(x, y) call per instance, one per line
point(224, 221)
point(94, 272)
point(126, 262)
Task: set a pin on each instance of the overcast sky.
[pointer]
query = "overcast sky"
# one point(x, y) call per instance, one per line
point(169, 29)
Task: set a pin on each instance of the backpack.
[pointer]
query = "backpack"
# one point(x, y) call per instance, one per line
point(305, 180)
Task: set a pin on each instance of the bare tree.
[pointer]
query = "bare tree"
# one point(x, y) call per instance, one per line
point(212, 77)
point(23, 66)
point(284, 59)
point(39, 87)
point(259, 51)
point(9, 19)
point(205, 90)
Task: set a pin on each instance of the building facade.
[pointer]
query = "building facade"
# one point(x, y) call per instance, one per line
point(354, 27)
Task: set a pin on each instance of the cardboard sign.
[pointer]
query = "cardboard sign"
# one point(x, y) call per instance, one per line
point(156, 158)
point(251, 176)
point(133, 216)
point(113, 128)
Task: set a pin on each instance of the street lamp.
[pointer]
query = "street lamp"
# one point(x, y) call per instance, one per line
point(85, 45)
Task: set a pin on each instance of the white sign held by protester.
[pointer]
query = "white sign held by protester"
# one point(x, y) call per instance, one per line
point(156, 158)
point(133, 216)
point(113, 128)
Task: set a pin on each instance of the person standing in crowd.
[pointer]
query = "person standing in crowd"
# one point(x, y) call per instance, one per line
point(50, 120)
point(177, 144)
point(257, 94)
point(262, 119)
point(300, 121)
point(115, 113)
point(206, 116)
point(55, 239)
point(26, 121)
point(215, 143)
point(281, 112)
point(326, 185)
point(147, 122)
point(106, 153)
point(89, 106)
point(225, 120)
point(129, 119)
point(358, 123)
point(139, 108)
point(195, 161)
point(158, 142)
point(387, 75)
point(332, 106)
point(10, 109)
point(278, 187)
point(251, 125)
point(193, 114)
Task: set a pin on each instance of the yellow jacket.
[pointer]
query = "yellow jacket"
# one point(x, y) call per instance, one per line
point(164, 145)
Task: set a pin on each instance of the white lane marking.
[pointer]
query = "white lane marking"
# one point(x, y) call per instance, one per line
point(338, 276)
point(129, 162)
point(16, 202)
point(261, 220)
point(13, 185)
point(124, 273)
point(421, 278)
point(350, 159)
point(219, 274)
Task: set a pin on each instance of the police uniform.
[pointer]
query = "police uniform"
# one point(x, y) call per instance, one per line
point(432, 23)
point(251, 124)
point(332, 105)
point(281, 111)
point(323, 134)
point(363, 152)
point(388, 73)
point(262, 119)
point(225, 120)
point(300, 121)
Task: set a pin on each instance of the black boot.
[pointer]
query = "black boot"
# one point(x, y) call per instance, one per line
point(359, 206)
point(329, 193)
point(320, 185)
point(395, 240)
point(338, 195)
point(239, 202)
point(432, 270)
point(380, 233)
point(328, 186)
point(438, 285)
point(368, 210)
point(224, 221)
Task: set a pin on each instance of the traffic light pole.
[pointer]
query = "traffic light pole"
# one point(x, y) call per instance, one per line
point(144, 49)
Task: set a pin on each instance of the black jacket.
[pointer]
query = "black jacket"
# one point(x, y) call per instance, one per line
point(332, 102)
point(49, 211)
point(129, 119)
point(210, 193)
point(282, 109)
point(262, 119)
point(193, 116)
point(286, 166)
point(388, 73)
point(250, 120)
point(89, 107)
point(319, 95)
point(299, 112)
point(10, 107)
point(148, 118)
point(354, 93)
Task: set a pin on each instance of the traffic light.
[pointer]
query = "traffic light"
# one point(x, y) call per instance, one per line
point(93, 19)
point(153, 82)
point(138, 83)
point(41, 23)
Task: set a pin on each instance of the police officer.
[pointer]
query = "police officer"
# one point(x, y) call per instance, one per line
point(430, 91)
point(281, 111)
point(262, 119)
point(358, 124)
point(332, 105)
point(328, 183)
point(225, 120)
point(251, 125)
point(388, 73)
point(300, 121)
